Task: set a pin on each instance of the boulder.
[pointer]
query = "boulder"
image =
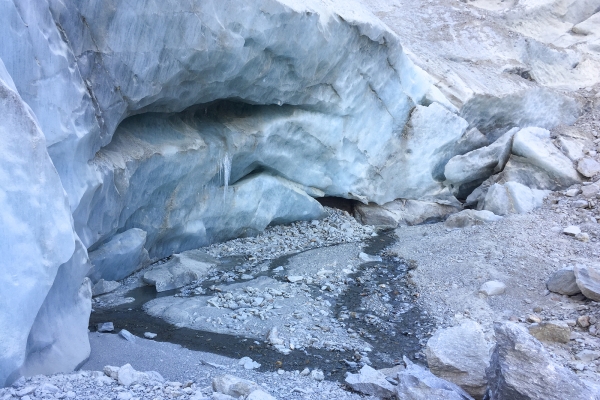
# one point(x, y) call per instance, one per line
point(403, 212)
point(121, 256)
point(417, 383)
point(182, 269)
point(480, 164)
point(588, 167)
point(233, 386)
point(460, 355)
point(103, 287)
point(590, 191)
point(588, 281)
point(522, 369)
point(127, 375)
point(467, 218)
point(551, 331)
point(492, 288)
point(563, 282)
point(371, 382)
point(571, 147)
point(535, 147)
point(512, 198)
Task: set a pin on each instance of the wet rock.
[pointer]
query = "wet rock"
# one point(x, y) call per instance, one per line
point(369, 258)
point(563, 282)
point(492, 288)
point(121, 256)
point(105, 327)
point(417, 383)
point(233, 386)
point(181, 270)
point(588, 281)
point(460, 355)
point(125, 334)
point(103, 287)
point(572, 230)
point(551, 331)
point(467, 218)
point(522, 369)
point(403, 212)
point(370, 382)
point(535, 146)
point(588, 167)
point(512, 198)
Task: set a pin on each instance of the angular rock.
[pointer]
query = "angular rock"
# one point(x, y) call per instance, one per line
point(260, 395)
point(588, 281)
point(403, 212)
point(370, 382)
point(563, 282)
point(551, 331)
point(120, 257)
point(535, 147)
point(248, 363)
point(127, 375)
point(512, 198)
point(467, 218)
point(181, 270)
point(590, 191)
point(492, 288)
point(369, 257)
point(417, 383)
point(105, 327)
point(522, 369)
point(103, 287)
point(588, 167)
point(460, 355)
point(233, 386)
point(480, 164)
point(572, 230)
point(125, 334)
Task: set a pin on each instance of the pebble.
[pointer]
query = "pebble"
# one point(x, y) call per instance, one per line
point(150, 335)
point(572, 230)
point(492, 288)
point(125, 334)
point(105, 327)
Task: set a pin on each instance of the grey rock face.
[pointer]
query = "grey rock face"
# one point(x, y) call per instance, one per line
point(120, 257)
point(588, 281)
point(180, 270)
point(563, 282)
point(370, 382)
point(468, 218)
point(521, 369)
point(417, 383)
point(460, 355)
point(512, 198)
point(403, 212)
point(551, 331)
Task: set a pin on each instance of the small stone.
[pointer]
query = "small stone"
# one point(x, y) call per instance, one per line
point(572, 230)
point(248, 363)
point(590, 191)
point(572, 192)
point(103, 287)
point(369, 258)
point(150, 335)
point(584, 321)
point(26, 390)
point(125, 334)
point(233, 386)
point(534, 318)
point(587, 355)
point(551, 331)
point(370, 382)
point(295, 278)
point(273, 337)
point(583, 237)
point(317, 375)
point(105, 327)
point(260, 395)
point(492, 288)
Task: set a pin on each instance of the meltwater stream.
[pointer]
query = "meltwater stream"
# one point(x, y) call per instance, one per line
point(377, 305)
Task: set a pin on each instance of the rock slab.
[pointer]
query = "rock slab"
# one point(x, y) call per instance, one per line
point(371, 382)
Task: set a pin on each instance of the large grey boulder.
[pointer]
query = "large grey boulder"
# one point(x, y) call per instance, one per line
point(535, 147)
point(588, 281)
point(45, 298)
point(417, 383)
point(371, 382)
point(460, 355)
point(522, 369)
point(563, 281)
point(182, 269)
point(467, 218)
point(121, 256)
point(480, 164)
point(403, 212)
point(512, 198)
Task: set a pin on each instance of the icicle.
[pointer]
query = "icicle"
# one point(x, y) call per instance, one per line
point(226, 167)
